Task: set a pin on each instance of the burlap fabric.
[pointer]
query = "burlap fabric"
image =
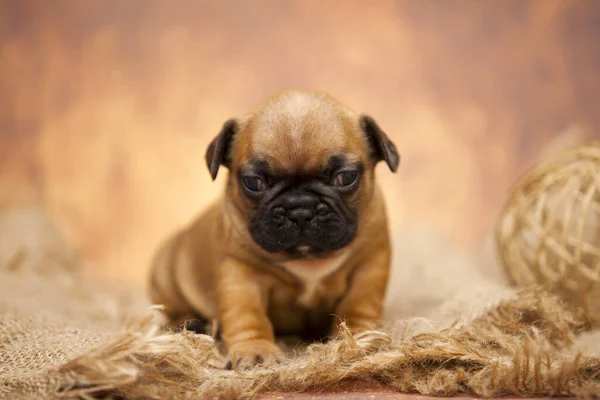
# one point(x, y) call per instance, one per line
point(49, 312)
point(462, 329)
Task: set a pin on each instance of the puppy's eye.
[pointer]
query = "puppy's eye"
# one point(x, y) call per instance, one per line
point(254, 184)
point(346, 178)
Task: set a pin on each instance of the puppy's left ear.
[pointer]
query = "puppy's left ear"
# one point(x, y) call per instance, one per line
point(217, 153)
point(382, 147)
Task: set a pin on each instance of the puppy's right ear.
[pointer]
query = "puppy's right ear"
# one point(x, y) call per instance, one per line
point(218, 150)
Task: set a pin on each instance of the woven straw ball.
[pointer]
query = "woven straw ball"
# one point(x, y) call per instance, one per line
point(549, 229)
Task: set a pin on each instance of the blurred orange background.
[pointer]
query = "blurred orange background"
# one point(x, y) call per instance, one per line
point(106, 107)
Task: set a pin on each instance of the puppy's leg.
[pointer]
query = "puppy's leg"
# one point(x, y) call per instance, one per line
point(245, 327)
point(362, 305)
point(163, 288)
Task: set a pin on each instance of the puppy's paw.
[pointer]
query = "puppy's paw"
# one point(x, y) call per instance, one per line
point(246, 355)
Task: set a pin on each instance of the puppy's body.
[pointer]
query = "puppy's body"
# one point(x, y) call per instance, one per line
point(303, 250)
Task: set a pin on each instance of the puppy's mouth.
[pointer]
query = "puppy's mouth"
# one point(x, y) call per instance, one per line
point(302, 230)
point(303, 250)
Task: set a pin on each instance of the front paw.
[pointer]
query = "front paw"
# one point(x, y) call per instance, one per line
point(245, 355)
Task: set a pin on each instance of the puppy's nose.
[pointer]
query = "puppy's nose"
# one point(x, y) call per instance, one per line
point(301, 215)
point(300, 207)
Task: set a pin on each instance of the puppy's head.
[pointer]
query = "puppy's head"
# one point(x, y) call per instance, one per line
point(300, 166)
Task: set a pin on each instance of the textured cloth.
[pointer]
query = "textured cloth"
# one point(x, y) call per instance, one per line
point(461, 329)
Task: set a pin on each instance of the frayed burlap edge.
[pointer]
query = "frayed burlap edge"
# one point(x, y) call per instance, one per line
point(519, 347)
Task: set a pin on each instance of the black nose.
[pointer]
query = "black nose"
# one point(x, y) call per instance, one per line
point(300, 216)
point(300, 208)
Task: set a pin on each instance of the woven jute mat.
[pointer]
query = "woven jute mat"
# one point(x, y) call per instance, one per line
point(66, 334)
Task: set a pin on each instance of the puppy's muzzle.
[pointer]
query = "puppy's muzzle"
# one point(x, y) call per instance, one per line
point(300, 209)
point(301, 220)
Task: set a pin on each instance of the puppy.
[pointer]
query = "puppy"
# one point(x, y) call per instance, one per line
point(299, 240)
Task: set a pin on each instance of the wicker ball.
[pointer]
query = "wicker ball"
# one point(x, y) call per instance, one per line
point(549, 229)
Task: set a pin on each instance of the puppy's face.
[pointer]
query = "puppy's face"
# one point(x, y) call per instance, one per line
point(300, 164)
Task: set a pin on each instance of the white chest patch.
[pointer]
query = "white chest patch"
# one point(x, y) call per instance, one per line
point(312, 273)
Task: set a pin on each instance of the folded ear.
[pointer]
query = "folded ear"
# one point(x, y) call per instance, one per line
point(217, 152)
point(382, 147)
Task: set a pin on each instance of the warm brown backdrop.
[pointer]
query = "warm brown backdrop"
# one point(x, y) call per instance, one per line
point(106, 106)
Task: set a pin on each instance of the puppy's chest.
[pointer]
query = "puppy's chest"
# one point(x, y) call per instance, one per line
point(316, 282)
